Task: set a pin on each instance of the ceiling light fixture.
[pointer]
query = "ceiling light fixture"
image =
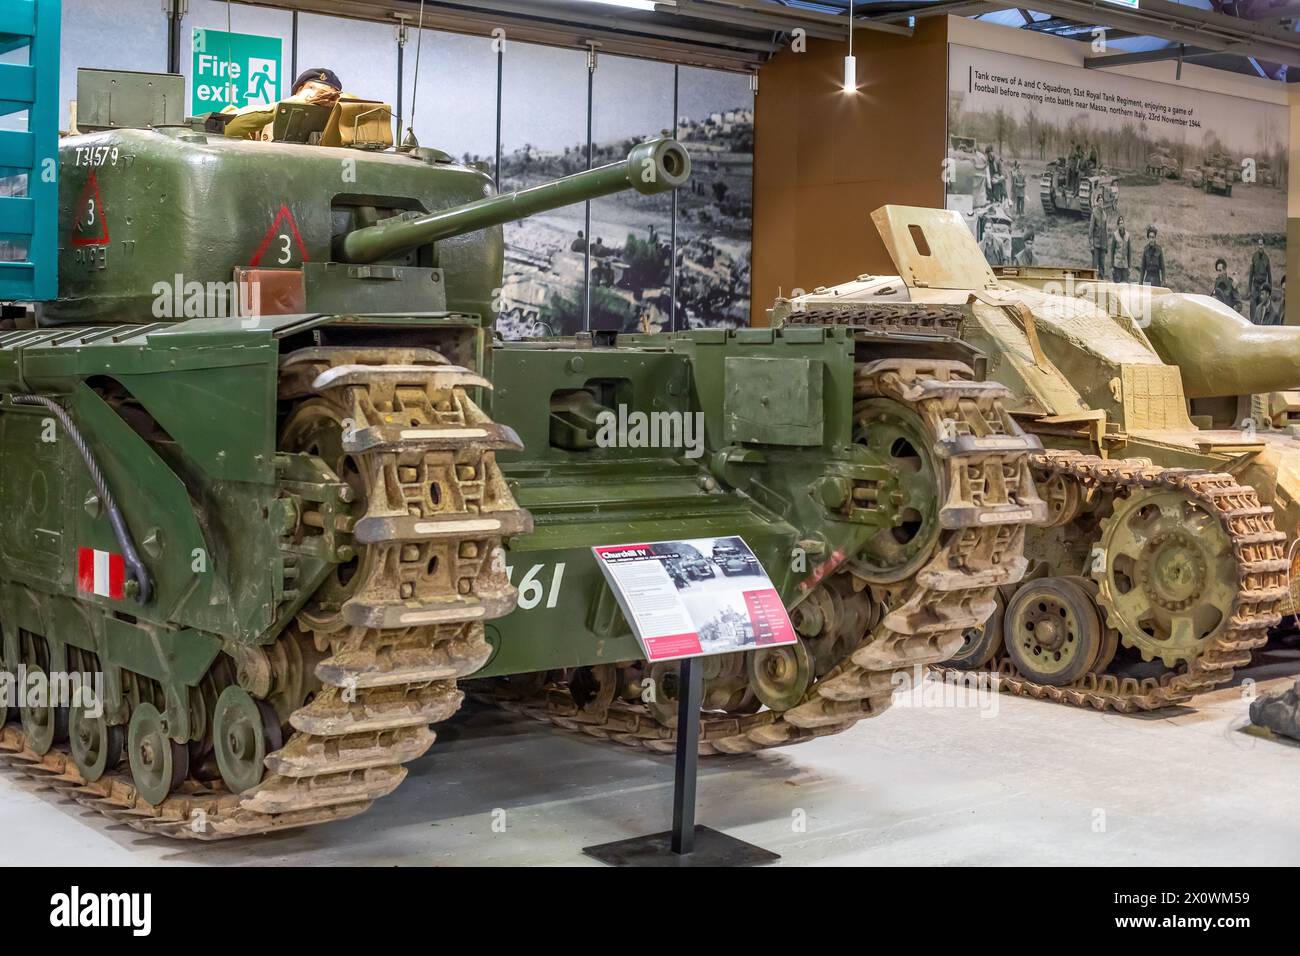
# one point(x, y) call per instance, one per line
point(850, 61)
point(634, 4)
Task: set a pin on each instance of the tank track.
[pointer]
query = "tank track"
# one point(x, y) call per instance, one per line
point(1259, 550)
point(1045, 195)
point(399, 642)
point(899, 317)
point(989, 497)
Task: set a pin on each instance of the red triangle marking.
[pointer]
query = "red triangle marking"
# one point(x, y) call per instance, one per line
point(91, 189)
point(283, 214)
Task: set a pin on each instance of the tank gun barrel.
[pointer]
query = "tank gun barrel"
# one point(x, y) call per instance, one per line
point(652, 167)
point(1220, 352)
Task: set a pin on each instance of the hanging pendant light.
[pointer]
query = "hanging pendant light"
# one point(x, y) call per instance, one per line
point(850, 61)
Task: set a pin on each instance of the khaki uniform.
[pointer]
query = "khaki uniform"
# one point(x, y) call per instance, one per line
point(1121, 255)
point(257, 122)
point(1260, 283)
point(1225, 290)
point(1098, 231)
point(1153, 264)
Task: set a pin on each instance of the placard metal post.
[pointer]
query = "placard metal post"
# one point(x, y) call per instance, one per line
point(688, 755)
point(687, 843)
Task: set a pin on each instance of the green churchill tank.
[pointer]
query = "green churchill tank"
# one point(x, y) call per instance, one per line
point(1164, 560)
point(264, 470)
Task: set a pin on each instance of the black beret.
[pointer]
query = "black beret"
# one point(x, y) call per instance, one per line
point(318, 75)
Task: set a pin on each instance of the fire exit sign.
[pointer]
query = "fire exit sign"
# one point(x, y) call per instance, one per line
point(234, 69)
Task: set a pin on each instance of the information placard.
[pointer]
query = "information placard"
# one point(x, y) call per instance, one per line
point(695, 597)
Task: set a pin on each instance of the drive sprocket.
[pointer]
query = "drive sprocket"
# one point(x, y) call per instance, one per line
point(1167, 574)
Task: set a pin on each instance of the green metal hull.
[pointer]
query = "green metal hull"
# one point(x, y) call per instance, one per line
point(203, 490)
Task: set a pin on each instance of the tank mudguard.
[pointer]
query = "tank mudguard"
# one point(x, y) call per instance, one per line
point(185, 441)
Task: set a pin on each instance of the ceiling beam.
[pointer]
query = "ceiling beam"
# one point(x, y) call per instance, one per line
point(610, 32)
point(691, 9)
point(1179, 51)
point(1060, 26)
point(1182, 24)
point(949, 7)
point(782, 19)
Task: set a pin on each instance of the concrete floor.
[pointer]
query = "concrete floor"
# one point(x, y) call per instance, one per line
point(1032, 782)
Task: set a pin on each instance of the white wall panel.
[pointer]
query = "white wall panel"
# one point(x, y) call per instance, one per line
point(457, 103)
point(109, 35)
point(363, 54)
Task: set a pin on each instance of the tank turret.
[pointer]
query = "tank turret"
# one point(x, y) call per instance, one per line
point(169, 223)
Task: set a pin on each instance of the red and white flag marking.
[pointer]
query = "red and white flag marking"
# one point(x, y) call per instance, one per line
point(100, 572)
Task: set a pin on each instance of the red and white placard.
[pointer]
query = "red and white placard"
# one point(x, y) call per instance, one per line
point(695, 597)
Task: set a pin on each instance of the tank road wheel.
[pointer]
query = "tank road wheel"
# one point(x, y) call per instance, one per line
point(520, 686)
point(43, 725)
point(779, 676)
point(1052, 631)
point(96, 747)
point(244, 731)
point(1170, 577)
point(981, 645)
point(896, 438)
point(1064, 498)
point(1109, 636)
point(594, 688)
point(1109, 647)
point(665, 677)
point(158, 763)
point(833, 621)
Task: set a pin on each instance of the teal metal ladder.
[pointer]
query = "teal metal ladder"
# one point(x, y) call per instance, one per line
point(29, 220)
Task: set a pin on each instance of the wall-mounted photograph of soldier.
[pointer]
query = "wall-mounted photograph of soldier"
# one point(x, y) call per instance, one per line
point(610, 266)
point(1142, 181)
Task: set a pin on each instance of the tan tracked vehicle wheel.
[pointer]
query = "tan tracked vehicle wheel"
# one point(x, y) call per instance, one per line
point(980, 645)
point(1052, 631)
point(1170, 575)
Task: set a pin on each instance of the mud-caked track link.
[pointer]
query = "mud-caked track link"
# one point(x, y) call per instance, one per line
point(431, 509)
point(987, 497)
point(1258, 550)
